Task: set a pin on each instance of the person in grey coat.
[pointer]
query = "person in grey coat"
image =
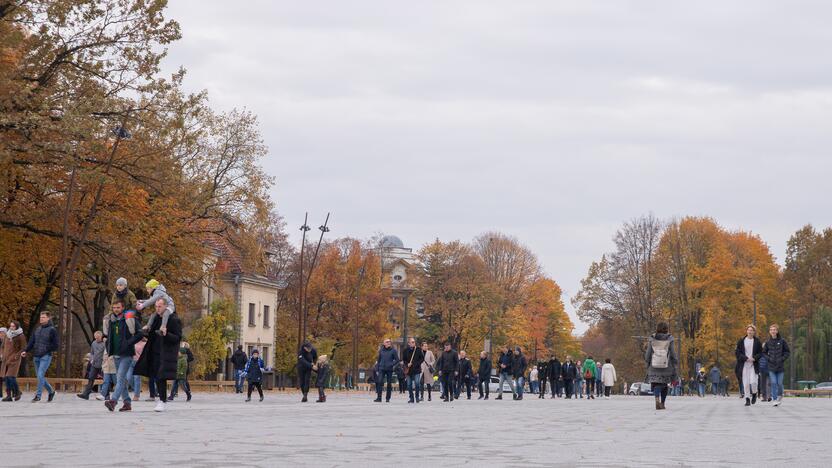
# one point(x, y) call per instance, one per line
point(96, 362)
point(661, 363)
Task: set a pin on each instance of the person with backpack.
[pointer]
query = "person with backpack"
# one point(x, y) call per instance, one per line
point(661, 363)
point(776, 351)
point(590, 372)
point(254, 374)
point(749, 350)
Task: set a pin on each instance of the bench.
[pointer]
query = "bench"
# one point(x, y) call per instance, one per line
point(812, 392)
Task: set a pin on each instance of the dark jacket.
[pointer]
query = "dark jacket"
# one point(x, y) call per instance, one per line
point(757, 351)
point(466, 371)
point(518, 365)
point(119, 336)
point(239, 359)
point(160, 355)
point(570, 371)
point(777, 351)
point(505, 360)
point(43, 341)
point(307, 359)
point(448, 362)
point(254, 369)
point(387, 359)
point(484, 370)
point(323, 374)
point(418, 357)
point(554, 370)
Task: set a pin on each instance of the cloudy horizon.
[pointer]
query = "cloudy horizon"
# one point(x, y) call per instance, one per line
point(554, 122)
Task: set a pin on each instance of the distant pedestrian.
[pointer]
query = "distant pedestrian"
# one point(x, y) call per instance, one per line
point(608, 376)
point(661, 363)
point(14, 342)
point(239, 360)
point(534, 379)
point(579, 380)
point(701, 380)
point(388, 359)
point(322, 369)
point(307, 357)
point(518, 371)
point(748, 352)
point(484, 375)
point(448, 368)
point(504, 368)
point(183, 365)
point(764, 386)
point(428, 369)
point(590, 374)
point(715, 376)
point(542, 376)
point(776, 351)
point(96, 361)
point(570, 374)
point(42, 343)
point(254, 374)
point(555, 375)
point(465, 375)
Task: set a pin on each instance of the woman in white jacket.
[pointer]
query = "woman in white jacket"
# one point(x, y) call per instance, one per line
point(608, 376)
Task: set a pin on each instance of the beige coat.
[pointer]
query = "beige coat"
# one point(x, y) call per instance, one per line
point(608, 375)
point(430, 360)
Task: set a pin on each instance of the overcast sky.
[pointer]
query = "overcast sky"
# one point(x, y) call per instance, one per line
point(552, 121)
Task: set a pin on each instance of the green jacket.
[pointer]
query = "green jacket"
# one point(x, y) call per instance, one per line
point(182, 367)
point(589, 365)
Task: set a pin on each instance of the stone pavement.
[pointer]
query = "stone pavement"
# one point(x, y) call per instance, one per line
point(350, 430)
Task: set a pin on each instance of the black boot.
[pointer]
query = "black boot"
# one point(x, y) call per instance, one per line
point(748, 402)
point(303, 400)
point(8, 395)
point(754, 399)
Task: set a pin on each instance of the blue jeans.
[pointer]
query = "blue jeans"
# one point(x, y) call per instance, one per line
point(238, 380)
point(109, 381)
point(521, 381)
point(534, 386)
point(701, 389)
point(123, 365)
point(137, 381)
point(776, 384)
point(413, 381)
point(41, 366)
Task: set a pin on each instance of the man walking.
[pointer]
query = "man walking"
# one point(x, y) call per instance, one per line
point(239, 360)
point(464, 376)
point(542, 376)
point(518, 370)
point(307, 357)
point(484, 374)
point(590, 372)
point(505, 373)
point(388, 358)
point(122, 338)
point(715, 376)
point(42, 344)
point(555, 377)
point(448, 365)
point(412, 358)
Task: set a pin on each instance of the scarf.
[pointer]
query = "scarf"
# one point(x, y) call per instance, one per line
point(121, 294)
point(14, 333)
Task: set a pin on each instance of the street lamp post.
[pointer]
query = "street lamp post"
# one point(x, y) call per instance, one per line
point(301, 325)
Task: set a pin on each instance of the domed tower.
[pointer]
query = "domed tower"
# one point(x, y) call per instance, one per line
point(397, 261)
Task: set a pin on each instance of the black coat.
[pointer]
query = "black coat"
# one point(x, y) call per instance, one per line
point(44, 340)
point(518, 365)
point(570, 371)
point(555, 370)
point(505, 359)
point(323, 374)
point(418, 357)
point(741, 357)
point(448, 362)
point(776, 351)
point(160, 355)
point(239, 359)
point(466, 371)
point(307, 359)
point(484, 370)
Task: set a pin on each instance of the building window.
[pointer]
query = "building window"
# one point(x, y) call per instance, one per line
point(265, 356)
point(251, 315)
point(266, 323)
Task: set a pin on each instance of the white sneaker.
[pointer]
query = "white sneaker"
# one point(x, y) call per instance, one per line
point(99, 397)
point(778, 401)
point(161, 407)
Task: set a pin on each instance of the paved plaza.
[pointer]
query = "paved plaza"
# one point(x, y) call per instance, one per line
point(351, 430)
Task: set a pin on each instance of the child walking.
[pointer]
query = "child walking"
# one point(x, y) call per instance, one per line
point(157, 291)
point(254, 374)
point(322, 368)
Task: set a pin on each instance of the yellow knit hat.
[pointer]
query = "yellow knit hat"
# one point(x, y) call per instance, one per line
point(152, 284)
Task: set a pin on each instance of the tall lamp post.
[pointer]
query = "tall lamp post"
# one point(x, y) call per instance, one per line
point(301, 325)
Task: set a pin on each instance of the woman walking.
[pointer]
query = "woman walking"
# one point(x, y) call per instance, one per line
point(749, 350)
point(608, 377)
point(160, 356)
point(661, 363)
point(428, 367)
point(13, 344)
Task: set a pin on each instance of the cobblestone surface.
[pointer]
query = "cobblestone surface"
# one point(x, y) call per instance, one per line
point(350, 430)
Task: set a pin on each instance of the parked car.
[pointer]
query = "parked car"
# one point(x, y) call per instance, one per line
point(824, 385)
point(495, 383)
point(640, 388)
